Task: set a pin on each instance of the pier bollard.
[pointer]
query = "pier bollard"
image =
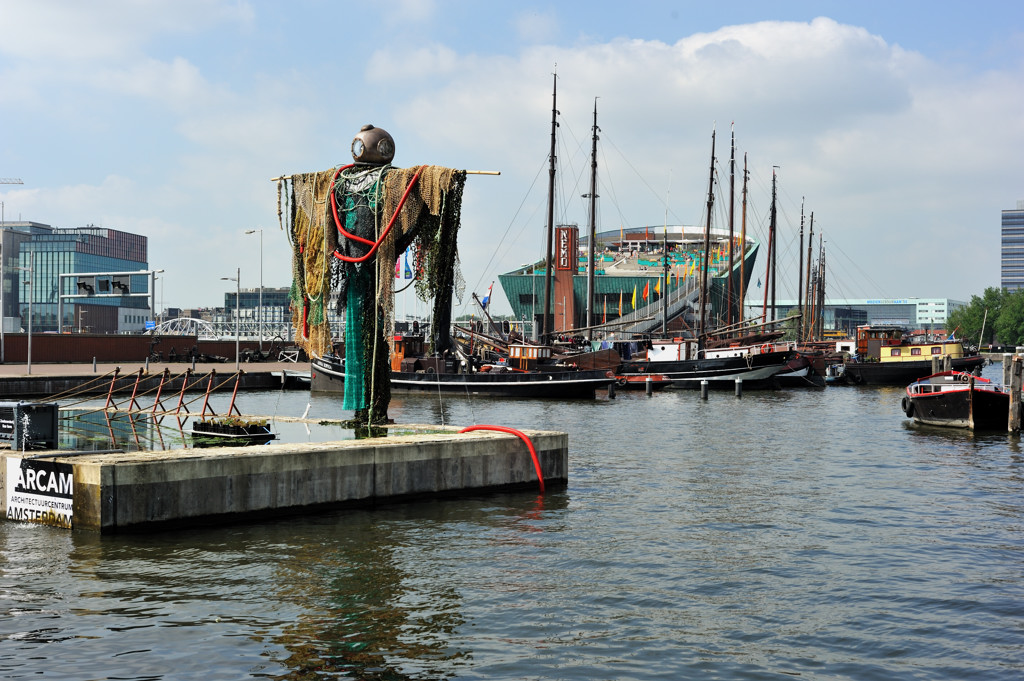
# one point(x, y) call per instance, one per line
point(611, 390)
point(704, 389)
point(649, 386)
point(739, 387)
point(947, 363)
point(1013, 420)
point(193, 364)
point(147, 365)
point(936, 367)
point(1007, 359)
point(94, 365)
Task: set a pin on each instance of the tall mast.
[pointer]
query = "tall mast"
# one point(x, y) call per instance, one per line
point(810, 245)
point(800, 284)
point(820, 320)
point(551, 215)
point(732, 211)
point(664, 282)
point(768, 263)
point(702, 338)
point(775, 244)
point(592, 232)
point(743, 242)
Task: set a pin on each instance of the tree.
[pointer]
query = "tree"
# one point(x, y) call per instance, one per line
point(789, 326)
point(966, 322)
point(1009, 326)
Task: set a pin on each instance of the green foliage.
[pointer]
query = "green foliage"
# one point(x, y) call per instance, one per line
point(789, 326)
point(967, 321)
point(1009, 326)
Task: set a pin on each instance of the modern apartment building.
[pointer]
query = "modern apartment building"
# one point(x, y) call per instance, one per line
point(1012, 269)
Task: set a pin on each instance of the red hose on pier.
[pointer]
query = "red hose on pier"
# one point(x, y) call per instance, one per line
point(522, 436)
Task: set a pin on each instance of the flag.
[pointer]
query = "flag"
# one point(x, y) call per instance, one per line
point(657, 286)
point(634, 296)
point(620, 303)
point(759, 282)
point(604, 315)
point(647, 289)
point(487, 298)
point(408, 270)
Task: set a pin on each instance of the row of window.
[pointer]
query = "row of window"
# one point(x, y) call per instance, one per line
point(896, 352)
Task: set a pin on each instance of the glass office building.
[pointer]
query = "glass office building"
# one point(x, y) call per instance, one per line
point(34, 257)
point(1012, 269)
point(846, 314)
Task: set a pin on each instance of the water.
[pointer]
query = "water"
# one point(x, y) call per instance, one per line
point(803, 533)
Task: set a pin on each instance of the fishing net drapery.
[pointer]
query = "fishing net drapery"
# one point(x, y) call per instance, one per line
point(339, 216)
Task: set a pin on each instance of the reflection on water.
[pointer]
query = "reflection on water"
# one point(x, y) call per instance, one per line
point(800, 533)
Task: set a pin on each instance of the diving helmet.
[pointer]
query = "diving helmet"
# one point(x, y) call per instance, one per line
point(373, 146)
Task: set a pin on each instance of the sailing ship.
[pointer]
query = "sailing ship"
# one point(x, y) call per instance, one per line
point(672, 277)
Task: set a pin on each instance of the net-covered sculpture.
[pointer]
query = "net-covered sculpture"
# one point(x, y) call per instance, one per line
point(347, 226)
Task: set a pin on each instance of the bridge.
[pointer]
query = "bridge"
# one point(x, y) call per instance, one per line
point(204, 330)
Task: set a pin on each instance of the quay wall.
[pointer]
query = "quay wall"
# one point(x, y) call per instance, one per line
point(132, 491)
point(86, 347)
point(100, 384)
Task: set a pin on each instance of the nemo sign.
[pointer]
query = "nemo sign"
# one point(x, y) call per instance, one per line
point(567, 249)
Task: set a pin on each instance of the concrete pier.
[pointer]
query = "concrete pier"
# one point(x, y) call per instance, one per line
point(133, 491)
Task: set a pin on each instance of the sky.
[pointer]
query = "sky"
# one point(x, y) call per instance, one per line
point(898, 124)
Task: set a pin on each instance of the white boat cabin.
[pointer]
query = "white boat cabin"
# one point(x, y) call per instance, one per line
point(686, 348)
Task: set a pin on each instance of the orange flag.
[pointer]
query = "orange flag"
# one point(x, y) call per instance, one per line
point(647, 289)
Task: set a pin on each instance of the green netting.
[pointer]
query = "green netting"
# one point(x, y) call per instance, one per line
point(355, 366)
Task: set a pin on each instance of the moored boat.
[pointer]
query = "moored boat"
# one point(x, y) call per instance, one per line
point(957, 399)
point(680, 360)
point(527, 372)
point(328, 375)
point(886, 355)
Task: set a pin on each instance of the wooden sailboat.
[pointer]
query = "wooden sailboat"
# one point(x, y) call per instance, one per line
point(689, 362)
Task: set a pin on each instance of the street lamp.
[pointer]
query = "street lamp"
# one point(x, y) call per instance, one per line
point(259, 312)
point(238, 307)
point(28, 283)
point(153, 303)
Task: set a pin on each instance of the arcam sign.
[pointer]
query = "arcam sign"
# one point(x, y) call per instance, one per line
point(39, 491)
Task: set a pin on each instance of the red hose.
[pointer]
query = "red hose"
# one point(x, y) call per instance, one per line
point(374, 245)
point(522, 436)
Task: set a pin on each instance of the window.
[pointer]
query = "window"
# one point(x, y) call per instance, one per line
point(936, 350)
point(915, 351)
point(895, 352)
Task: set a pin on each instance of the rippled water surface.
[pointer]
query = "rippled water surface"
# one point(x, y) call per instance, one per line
point(809, 533)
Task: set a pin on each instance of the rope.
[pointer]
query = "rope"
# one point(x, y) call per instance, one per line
point(74, 392)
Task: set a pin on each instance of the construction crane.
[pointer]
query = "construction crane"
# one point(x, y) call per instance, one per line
point(7, 180)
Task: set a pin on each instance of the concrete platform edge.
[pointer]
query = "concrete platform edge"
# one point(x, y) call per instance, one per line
point(142, 491)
